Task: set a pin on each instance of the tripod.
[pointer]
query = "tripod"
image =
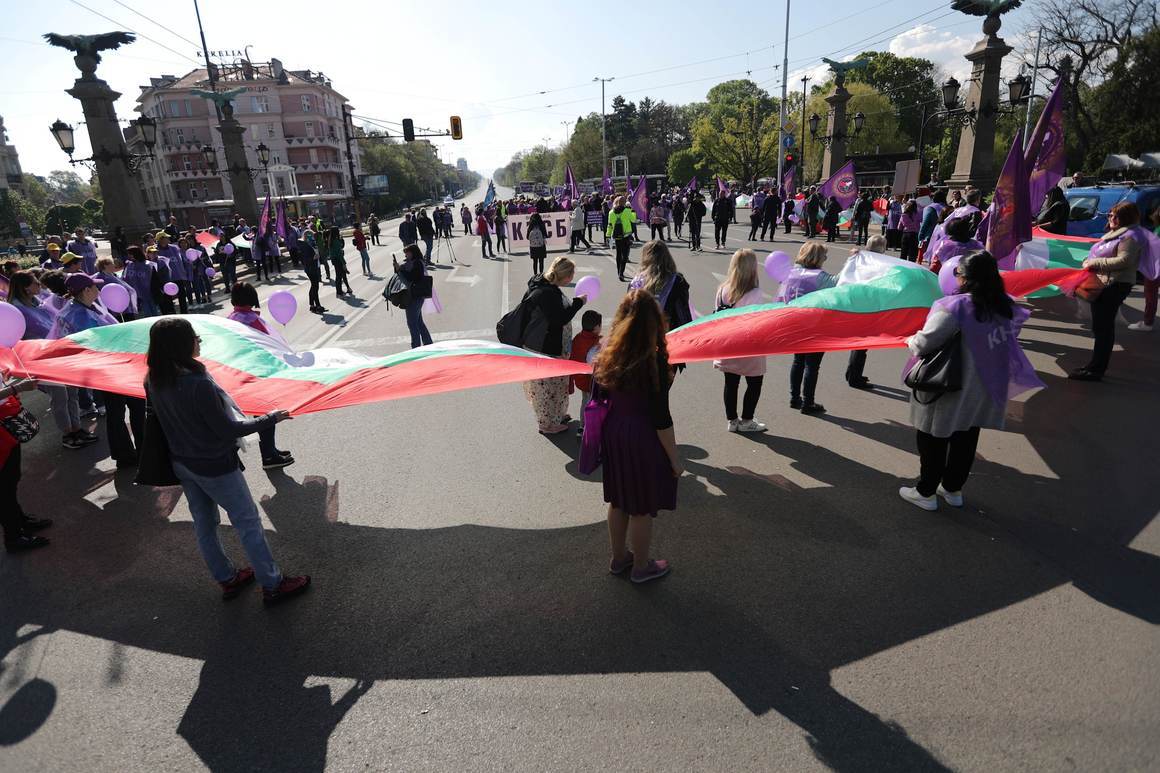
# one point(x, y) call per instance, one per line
point(444, 241)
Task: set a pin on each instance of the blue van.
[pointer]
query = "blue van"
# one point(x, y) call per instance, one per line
point(1090, 205)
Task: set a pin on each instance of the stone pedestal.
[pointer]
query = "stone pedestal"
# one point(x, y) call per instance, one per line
point(121, 191)
point(835, 153)
point(975, 163)
point(234, 149)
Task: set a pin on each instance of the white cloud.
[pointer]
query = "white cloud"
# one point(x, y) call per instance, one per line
point(945, 49)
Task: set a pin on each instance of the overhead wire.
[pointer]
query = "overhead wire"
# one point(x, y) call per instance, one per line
point(135, 32)
point(153, 21)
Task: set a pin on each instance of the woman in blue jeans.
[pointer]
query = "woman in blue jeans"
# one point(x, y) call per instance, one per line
point(202, 426)
point(412, 270)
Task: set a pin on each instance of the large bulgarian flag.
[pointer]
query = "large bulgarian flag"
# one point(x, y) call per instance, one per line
point(880, 302)
point(262, 373)
point(880, 312)
point(1048, 250)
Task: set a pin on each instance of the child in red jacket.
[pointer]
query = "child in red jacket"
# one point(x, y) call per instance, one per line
point(585, 345)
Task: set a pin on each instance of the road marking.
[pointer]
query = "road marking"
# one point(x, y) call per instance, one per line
point(472, 280)
point(720, 277)
point(587, 270)
point(505, 296)
point(338, 330)
point(371, 343)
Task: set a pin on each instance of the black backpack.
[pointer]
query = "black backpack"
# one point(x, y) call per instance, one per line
point(398, 291)
point(511, 326)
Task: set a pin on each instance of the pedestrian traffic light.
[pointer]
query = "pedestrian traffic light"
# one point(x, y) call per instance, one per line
point(408, 130)
point(789, 159)
point(456, 127)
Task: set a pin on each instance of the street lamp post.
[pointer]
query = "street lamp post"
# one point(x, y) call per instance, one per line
point(603, 141)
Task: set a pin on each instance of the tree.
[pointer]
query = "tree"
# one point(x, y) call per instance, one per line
point(620, 126)
point(907, 81)
point(880, 132)
point(94, 211)
point(64, 218)
point(16, 209)
point(686, 164)
point(1089, 35)
point(68, 187)
point(538, 163)
point(738, 134)
point(583, 151)
point(1129, 126)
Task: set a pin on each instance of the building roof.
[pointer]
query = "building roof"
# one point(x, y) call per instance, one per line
point(240, 73)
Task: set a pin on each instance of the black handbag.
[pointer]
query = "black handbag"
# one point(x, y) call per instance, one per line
point(22, 425)
point(154, 465)
point(937, 373)
point(398, 291)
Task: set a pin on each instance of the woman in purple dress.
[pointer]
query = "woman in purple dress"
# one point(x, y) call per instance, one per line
point(638, 448)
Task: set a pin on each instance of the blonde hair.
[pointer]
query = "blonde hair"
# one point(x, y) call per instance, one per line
point(656, 266)
point(742, 276)
point(106, 262)
point(561, 267)
point(876, 243)
point(811, 255)
point(619, 201)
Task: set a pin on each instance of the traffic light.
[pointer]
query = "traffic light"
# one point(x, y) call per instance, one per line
point(408, 130)
point(456, 127)
point(789, 159)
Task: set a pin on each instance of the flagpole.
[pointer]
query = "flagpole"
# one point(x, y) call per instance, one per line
point(1031, 98)
point(784, 81)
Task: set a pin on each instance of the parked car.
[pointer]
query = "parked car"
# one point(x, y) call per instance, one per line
point(1090, 205)
point(448, 200)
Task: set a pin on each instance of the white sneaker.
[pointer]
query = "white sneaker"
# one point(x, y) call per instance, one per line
point(1140, 326)
point(749, 425)
point(952, 498)
point(732, 426)
point(911, 495)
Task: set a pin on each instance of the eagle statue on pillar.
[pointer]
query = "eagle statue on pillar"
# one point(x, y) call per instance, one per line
point(991, 10)
point(88, 48)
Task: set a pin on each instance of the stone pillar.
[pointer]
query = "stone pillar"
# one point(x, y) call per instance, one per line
point(835, 153)
point(975, 163)
point(121, 191)
point(234, 149)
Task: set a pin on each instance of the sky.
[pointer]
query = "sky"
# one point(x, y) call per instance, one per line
point(518, 78)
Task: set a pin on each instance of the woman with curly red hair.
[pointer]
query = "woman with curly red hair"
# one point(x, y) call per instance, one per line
point(638, 447)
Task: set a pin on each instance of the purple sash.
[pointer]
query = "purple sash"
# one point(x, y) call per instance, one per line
point(1000, 362)
point(1149, 263)
point(801, 281)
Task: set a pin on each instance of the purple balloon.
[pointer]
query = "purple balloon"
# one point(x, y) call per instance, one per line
point(589, 287)
point(170, 289)
point(12, 325)
point(282, 306)
point(209, 272)
point(778, 266)
point(228, 249)
point(947, 282)
point(115, 297)
point(191, 254)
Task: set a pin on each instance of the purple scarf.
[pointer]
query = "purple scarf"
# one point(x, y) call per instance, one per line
point(1001, 364)
point(802, 281)
point(1149, 263)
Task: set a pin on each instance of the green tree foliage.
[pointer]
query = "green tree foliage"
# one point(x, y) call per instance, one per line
point(538, 163)
point(15, 209)
point(583, 151)
point(414, 172)
point(738, 131)
point(880, 133)
point(907, 81)
point(1128, 125)
point(64, 218)
point(68, 187)
point(686, 164)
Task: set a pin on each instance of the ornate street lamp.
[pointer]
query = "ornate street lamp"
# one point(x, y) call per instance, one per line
point(148, 129)
point(210, 155)
point(815, 119)
point(1018, 88)
point(859, 120)
point(950, 94)
point(839, 131)
point(263, 154)
point(65, 136)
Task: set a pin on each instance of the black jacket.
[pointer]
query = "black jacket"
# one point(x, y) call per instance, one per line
point(426, 228)
point(770, 207)
point(722, 210)
point(696, 211)
point(408, 233)
point(549, 313)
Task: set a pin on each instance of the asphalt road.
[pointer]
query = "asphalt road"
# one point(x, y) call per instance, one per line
point(462, 618)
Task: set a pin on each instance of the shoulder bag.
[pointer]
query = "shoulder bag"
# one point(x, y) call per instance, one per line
point(21, 425)
point(937, 373)
point(595, 412)
point(154, 466)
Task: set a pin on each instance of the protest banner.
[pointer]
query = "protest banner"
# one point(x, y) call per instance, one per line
point(594, 217)
point(556, 226)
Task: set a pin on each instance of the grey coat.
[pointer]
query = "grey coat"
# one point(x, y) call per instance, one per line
point(972, 406)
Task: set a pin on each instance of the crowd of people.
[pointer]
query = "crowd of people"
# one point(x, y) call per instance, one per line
point(624, 403)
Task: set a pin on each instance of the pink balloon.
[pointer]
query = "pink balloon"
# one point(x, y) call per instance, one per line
point(228, 249)
point(947, 281)
point(209, 272)
point(12, 325)
point(191, 254)
point(282, 306)
point(589, 287)
point(115, 297)
point(778, 266)
point(170, 289)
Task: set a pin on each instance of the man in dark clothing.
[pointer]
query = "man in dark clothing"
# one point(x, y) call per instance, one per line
point(769, 211)
point(813, 208)
point(695, 216)
point(833, 211)
point(426, 233)
point(862, 210)
point(787, 210)
point(722, 215)
point(408, 232)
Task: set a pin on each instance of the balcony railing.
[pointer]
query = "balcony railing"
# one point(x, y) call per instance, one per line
point(295, 141)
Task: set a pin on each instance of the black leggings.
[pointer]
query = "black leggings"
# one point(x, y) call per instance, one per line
point(1104, 309)
point(11, 516)
point(655, 229)
point(753, 226)
point(909, 248)
point(695, 234)
point(719, 231)
point(315, 281)
point(945, 460)
point(538, 263)
point(622, 247)
point(752, 393)
point(577, 237)
point(122, 446)
point(863, 231)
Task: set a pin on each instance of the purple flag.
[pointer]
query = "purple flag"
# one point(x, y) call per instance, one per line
point(281, 225)
point(788, 186)
point(570, 182)
point(1045, 156)
point(842, 185)
point(606, 183)
point(638, 199)
point(264, 218)
point(1010, 215)
point(722, 188)
point(692, 186)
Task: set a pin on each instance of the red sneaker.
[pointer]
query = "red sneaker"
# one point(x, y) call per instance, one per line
point(242, 578)
point(288, 588)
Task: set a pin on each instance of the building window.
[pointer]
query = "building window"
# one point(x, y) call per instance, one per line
point(313, 156)
point(254, 131)
point(306, 105)
point(260, 103)
point(193, 193)
point(317, 182)
point(276, 158)
point(333, 136)
point(269, 130)
point(174, 108)
point(189, 108)
point(205, 191)
point(179, 136)
point(186, 163)
point(310, 128)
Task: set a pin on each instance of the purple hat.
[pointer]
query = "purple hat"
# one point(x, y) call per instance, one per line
point(75, 283)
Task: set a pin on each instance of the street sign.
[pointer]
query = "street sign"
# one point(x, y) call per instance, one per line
point(787, 140)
